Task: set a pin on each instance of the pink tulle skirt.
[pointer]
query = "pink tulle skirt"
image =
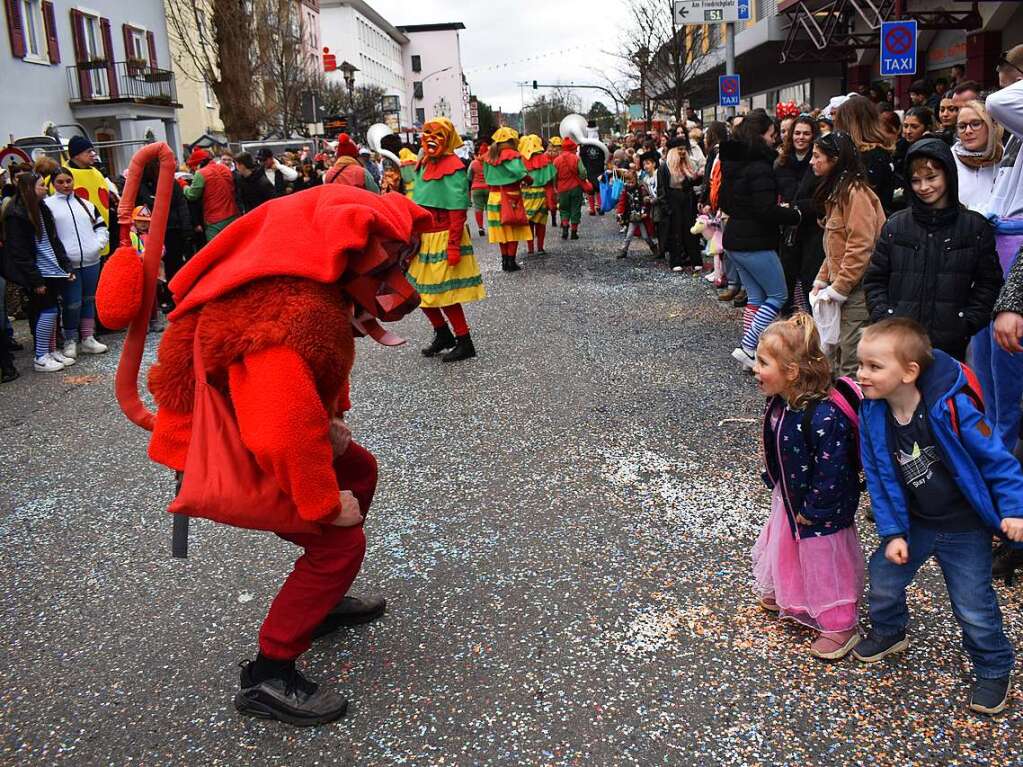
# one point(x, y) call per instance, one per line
point(816, 580)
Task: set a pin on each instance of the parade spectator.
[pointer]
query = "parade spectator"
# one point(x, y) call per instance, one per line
point(853, 220)
point(891, 124)
point(278, 174)
point(253, 186)
point(749, 195)
point(917, 122)
point(940, 486)
point(953, 295)
point(90, 182)
point(634, 209)
point(676, 182)
point(977, 152)
point(367, 162)
point(308, 176)
point(1001, 374)
point(947, 113)
point(1008, 328)
point(861, 119)
point(177, 240)
point(801, 250)
point(34, 258)
point(968, 90)
point(214, 186)
point(83, 236)
point(919, 93)
point(807, 561)
point(347, 169)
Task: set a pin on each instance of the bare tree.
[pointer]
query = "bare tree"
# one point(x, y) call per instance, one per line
point(656, 58)
point(209, 33)
point(363, 107)
point(253, 55)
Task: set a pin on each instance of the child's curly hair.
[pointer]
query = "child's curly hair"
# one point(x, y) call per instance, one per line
point(795, 341)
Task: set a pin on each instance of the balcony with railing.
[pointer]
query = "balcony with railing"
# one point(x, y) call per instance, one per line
point(132, 81)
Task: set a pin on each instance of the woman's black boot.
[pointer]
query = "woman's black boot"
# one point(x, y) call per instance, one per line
point(463, 350)
point(443, 339)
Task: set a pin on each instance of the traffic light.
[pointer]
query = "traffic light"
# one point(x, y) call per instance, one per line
point(535, 86)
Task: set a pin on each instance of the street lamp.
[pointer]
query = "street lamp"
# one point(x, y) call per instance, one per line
point(348, 71)
point(411, 106)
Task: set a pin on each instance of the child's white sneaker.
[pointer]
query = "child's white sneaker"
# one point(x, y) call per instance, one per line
point(62, 359)
point(91, 346)
point(47, 364)
point(70, 349)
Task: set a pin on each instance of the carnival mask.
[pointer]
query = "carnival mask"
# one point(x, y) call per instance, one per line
point(436, 139)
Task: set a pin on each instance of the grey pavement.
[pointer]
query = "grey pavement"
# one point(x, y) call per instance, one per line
point(562, 530)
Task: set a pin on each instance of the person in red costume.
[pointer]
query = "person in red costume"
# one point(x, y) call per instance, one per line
point(213, 185)
point(347, 169)
point(285, 374)
point(570, 181)
point(478, 188)
point(444, 271)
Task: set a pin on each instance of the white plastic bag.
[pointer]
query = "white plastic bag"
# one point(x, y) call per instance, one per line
point(827, 315)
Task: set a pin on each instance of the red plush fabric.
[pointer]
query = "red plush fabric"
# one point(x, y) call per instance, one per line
point(505, 156)
point(568, 145)
point(342, 231)
point(285, 424)
point(441, 167)
point(309, 318)
point(119, 293)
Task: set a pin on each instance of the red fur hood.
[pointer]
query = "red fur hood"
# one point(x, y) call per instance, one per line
point(309, 317)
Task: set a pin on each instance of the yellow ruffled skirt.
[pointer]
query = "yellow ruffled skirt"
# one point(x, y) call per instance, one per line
point(439, 284)
point(535, 200)
point(498, 232)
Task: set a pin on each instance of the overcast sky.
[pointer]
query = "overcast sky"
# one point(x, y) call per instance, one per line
point(522, 30)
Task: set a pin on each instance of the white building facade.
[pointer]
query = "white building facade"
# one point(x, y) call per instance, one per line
point(101, 64)
point(352, 31)
point(433, 70)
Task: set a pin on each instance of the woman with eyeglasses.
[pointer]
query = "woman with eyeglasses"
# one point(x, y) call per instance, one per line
point(852, 223)
point(749, 196)
point(977, 152)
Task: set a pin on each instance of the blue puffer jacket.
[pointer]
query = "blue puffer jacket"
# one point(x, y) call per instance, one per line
point(989, 476)
point(823, 487)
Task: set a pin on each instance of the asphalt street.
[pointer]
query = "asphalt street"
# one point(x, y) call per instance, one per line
point(562, 530)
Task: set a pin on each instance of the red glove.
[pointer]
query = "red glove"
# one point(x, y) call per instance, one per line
point(456, 226)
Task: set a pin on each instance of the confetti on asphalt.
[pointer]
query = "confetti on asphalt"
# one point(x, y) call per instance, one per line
point(562, 531)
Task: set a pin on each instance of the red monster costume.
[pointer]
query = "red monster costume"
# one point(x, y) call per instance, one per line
point(270, 309)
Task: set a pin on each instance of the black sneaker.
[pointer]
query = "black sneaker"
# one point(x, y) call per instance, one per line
point(463, 350)
point(351, 611)
point(290, 698)
point(875, 648)
point(1006, 562)
point(564, 232)
point(443, 339)
point(9, 374)
point(575, 235)
point(990, 696)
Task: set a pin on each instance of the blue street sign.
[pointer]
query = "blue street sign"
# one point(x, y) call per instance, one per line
point(728, 90)
point(898, 48)
point(744, 10)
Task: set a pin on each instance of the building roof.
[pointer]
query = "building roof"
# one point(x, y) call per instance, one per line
point(367, 10)
point(453, 25)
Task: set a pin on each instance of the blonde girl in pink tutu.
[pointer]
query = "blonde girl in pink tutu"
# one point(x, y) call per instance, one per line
point(807, 562)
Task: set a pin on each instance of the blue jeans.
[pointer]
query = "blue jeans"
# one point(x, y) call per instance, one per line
point(79, 297)
point(965, 562)
point(1001, 379)
point(762, 276)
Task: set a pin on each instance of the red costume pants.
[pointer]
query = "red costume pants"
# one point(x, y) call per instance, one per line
point(326, 569)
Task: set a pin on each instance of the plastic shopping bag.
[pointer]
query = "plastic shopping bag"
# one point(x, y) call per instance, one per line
point(606, 203)
point(827, 315)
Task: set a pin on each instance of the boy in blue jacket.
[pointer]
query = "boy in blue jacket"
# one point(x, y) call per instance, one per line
point(940, 483)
